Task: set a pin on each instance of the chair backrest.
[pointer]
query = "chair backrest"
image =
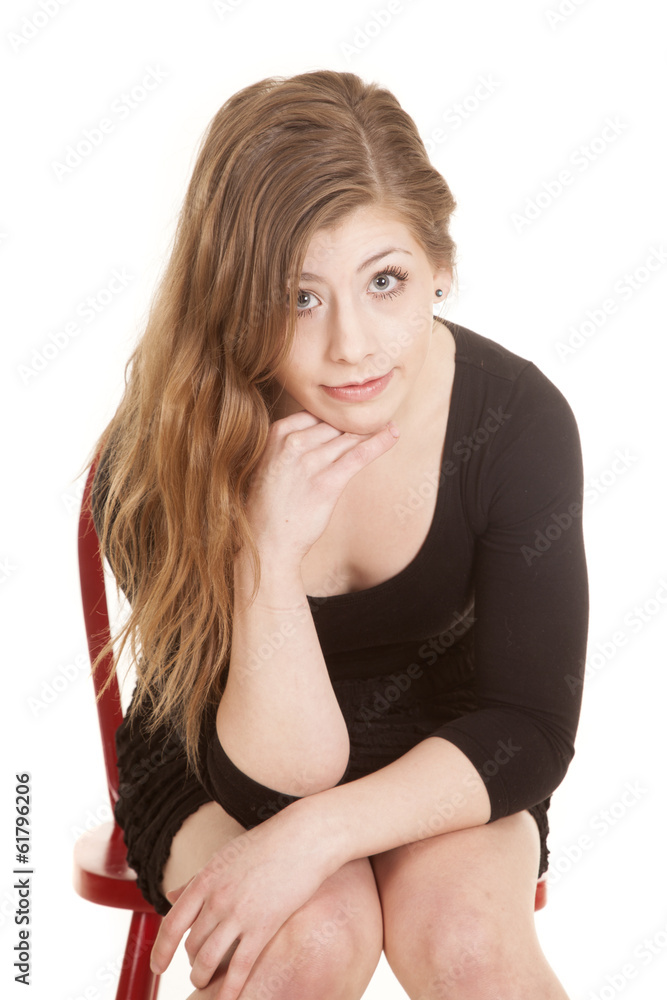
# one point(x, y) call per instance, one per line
point(96, 618)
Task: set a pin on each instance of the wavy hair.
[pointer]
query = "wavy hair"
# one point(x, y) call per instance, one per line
point(281, 159)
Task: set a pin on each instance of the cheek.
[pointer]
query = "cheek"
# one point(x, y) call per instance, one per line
point(300, 368)
point(296, 380)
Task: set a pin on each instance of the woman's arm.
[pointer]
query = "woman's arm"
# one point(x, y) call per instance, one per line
point(279, 720)
point(431, 789)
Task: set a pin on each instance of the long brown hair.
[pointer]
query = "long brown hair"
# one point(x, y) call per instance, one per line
point(281, 159)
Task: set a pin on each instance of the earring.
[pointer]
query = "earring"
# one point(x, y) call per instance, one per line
point(439, 292)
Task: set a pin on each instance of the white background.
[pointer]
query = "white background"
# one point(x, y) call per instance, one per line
point(554, 85)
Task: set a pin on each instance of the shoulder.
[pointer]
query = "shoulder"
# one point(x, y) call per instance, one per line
point(498, 376)
point(485, 355)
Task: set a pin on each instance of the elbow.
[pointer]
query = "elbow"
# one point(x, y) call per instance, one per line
point(328, 771)
point(561, 749)
point(294, 773)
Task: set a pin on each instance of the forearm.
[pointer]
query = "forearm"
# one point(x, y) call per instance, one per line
point(279, 719)
point(431, 789)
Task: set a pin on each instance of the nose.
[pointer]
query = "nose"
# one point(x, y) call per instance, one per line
point(351, 338)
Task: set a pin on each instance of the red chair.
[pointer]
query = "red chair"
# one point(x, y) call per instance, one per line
point(101, 873)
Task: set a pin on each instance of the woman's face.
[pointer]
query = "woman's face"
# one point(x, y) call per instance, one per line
point(365, 308)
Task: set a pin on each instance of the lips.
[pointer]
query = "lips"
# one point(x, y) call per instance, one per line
point(347, 385)
point(359, 391)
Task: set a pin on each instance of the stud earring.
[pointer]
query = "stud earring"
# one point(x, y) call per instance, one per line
point(438, 291)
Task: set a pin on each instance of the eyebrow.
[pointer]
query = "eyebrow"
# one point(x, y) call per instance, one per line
point(307, 276)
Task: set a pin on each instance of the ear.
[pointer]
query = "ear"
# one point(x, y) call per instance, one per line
point(442, 279)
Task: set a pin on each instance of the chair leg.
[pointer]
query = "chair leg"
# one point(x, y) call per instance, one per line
point(137, 981)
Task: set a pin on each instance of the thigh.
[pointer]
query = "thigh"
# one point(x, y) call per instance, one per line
point(461, 900)
point(202, 834)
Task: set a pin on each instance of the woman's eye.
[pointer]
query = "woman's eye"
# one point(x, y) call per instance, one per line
point(302, 307)
point(387, 283)
point(392, 281)
point(383, 282)
point(300, 303)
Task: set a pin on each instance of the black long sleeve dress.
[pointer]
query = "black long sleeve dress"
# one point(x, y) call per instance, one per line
point(481, 639)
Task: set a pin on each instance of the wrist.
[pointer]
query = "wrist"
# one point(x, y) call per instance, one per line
point(321, 830)
point(280, 580)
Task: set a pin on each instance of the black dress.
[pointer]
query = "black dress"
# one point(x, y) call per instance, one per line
point(481, 639)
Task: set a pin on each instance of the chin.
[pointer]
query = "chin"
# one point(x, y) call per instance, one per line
point(358, 422)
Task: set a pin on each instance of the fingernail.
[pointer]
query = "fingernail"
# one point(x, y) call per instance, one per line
point(393, 429)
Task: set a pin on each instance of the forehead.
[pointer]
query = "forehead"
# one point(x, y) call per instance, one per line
point(362, 238)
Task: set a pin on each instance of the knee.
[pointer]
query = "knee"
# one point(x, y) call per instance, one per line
point(331, 948)
point(328, 948)
point(469, 956)
point(461, 958)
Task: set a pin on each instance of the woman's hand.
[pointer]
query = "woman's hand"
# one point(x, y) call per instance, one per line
point(245, 892)
point(305, 467)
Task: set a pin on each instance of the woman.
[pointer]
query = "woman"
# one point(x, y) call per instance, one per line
point(354, 611)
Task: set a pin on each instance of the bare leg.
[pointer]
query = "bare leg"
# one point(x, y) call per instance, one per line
point(328, 948)
point(459, 914)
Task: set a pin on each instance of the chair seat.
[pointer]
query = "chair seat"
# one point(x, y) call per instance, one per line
point(101, 872)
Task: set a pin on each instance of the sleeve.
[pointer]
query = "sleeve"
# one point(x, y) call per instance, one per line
point(531, 601)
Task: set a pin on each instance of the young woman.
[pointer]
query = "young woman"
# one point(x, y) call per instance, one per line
point(350, 535)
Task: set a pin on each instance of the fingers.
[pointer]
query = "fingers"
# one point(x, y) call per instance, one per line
point(173, 894)
point(357, 456)
point(297, 440)
point(298, 421)
point(218, 944)
point(174, 925)
point(239, 968)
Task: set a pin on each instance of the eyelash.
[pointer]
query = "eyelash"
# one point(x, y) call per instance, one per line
point(393, 270)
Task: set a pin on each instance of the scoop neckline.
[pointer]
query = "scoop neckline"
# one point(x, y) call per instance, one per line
point(349, 597)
